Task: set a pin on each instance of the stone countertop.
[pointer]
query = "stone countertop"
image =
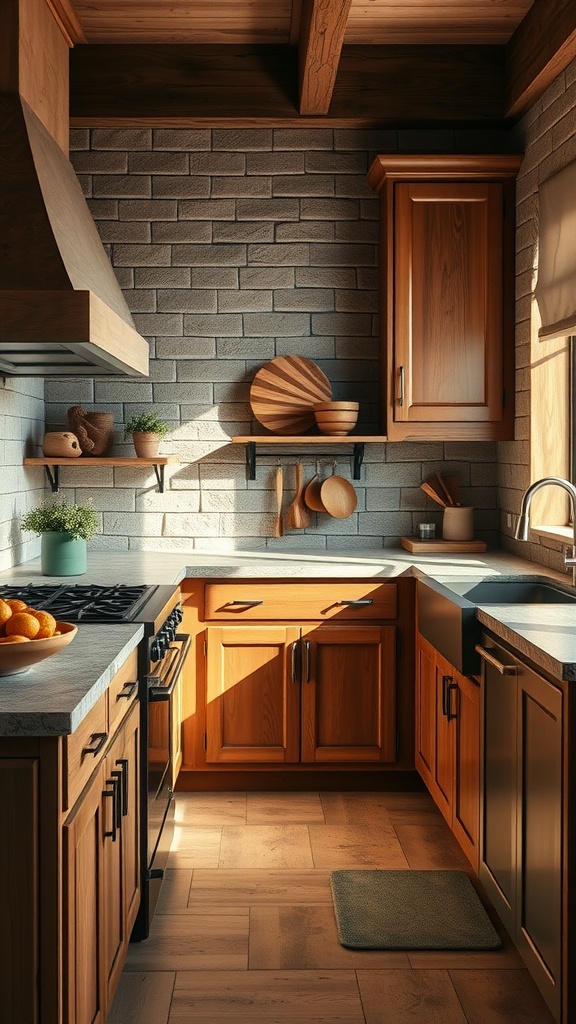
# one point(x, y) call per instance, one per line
point(53, 697)
point(48, 702)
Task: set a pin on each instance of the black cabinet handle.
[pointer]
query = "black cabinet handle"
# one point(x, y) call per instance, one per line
point(117, 781)
point(112, 794)
point(249, 604)
point(307, 661)
point(97, 741)
point(359, 601)
point(124, 763)
point(127, 691)
point(451, 715)
point(446, 680)
point(295, 666)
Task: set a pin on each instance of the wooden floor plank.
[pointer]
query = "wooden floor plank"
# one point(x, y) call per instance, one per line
point(265, 997)
point(190, 943)
point(210, 808)
point(409, 997)
point(342, 846)
point(430, 846)
point(266, 809)
point(195, 847)
point(143, 998)
point(305, 938)
point(265, 846)
point(500, 997)
point(245, 888)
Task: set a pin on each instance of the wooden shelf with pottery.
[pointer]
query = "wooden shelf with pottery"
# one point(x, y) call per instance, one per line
point(52, 465)
point(307, 441)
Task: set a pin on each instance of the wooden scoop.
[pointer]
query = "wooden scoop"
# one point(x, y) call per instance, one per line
point(312, 495)
point(279, 484)
point(338, 497)
point(297, 516)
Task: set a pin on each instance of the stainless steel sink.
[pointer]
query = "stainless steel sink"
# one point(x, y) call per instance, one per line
point(447, 610)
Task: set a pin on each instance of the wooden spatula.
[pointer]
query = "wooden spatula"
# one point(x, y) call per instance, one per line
point(298, 516)
point(432, 493)
point(279, 484)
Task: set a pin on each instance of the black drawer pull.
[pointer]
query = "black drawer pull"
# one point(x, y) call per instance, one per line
point(112, 794)
point(359, 601)
point(123, 762)
point(249, 604)
point(97, 739)
point(127, 691)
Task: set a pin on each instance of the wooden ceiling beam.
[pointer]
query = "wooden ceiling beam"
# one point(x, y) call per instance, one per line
point(321, 38)
point(250, 86)
point(540, 49)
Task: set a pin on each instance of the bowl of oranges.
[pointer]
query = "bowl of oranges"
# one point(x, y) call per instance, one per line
point(29, 635)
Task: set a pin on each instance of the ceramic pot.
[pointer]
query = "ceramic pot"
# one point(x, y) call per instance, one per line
point(146, 445)
point(62, 555)
point(61, 444)
point(458, 522)
point(103, 421)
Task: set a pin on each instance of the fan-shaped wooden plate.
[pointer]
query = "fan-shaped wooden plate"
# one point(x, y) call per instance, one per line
point(284, 392)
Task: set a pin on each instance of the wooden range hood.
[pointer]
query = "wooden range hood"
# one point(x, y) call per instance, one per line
point(62, 311)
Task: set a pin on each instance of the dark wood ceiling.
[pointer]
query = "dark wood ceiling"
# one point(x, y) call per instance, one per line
point(375, 63)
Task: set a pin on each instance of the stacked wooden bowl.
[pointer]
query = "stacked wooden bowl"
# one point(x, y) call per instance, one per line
point(336, 418)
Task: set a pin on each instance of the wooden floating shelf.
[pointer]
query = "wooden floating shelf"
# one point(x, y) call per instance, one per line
point(308, 440)
point(52, 466)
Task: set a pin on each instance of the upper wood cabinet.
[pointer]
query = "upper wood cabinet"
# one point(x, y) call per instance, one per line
point(447, 295)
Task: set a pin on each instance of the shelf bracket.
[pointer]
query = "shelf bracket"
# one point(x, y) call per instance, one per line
point(251, 460)
point(53, 474)
point(159, 470)
point(358, 459)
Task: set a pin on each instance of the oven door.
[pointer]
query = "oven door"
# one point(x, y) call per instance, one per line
point(164, 724)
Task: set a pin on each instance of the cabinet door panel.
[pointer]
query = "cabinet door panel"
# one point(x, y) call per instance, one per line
point(349, 694)
point(540, 891)
point(253, 699)
point(466, 803)
point(499, 819)
point(443, 774)
point(425, 710)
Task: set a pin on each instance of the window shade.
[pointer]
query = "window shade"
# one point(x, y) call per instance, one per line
point(556, 285)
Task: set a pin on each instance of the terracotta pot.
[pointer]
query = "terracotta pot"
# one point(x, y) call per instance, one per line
point(146, 445)
point(103, 421)
point(61, 444)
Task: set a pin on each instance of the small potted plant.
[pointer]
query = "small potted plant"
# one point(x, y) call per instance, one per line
point(146, 431)
point(64, 530)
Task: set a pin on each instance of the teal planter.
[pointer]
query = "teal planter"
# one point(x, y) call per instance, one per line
point(62, 555)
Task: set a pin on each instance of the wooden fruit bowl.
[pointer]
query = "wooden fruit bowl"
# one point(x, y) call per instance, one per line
point(16, 658)
point(336, 418)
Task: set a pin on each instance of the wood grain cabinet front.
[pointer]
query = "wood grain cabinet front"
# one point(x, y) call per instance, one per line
point(314, 674)
point(448, 743)
point(313, 694)
point(447, 295)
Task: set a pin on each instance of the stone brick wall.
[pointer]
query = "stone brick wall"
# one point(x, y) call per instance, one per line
point(547, 136)
point(233, 247)
point(21, 431)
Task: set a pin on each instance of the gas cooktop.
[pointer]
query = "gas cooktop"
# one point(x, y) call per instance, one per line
point(81, 602)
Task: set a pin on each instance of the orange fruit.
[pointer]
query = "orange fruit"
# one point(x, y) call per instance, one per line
point(5, 611)
point(16, 604)
point(23, 624)
point(47, 623)
point(15, 639)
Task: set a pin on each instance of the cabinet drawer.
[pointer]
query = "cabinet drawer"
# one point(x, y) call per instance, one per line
point(123, 691)
point(234, 602)
point(83, 749)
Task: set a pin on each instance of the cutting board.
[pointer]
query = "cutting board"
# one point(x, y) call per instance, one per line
point(284, 392)
point(438, 547)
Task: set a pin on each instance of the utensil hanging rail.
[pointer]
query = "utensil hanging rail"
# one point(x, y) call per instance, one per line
point(253, 451)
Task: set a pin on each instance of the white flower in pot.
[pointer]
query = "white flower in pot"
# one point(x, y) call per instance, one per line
point(146, 431)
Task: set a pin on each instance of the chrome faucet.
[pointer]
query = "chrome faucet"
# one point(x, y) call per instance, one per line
point(522, 526)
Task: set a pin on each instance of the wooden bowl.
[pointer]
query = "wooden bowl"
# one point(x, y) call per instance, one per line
point(338, 497)
point(16, 658)
point(336, 418)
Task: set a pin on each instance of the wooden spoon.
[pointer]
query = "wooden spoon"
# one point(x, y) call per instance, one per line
point(279, 483)
point(444, 489)
point(429, 490)
point(312, 495)
point(297, 516)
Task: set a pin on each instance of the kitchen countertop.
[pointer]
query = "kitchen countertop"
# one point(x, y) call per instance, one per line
point(54, 697)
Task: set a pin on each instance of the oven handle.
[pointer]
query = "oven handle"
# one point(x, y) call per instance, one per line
point(156, 694)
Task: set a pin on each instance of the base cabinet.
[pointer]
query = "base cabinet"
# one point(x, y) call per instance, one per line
point(69, 862)
point(305, 694)
point(448, 743)
point(522, 867)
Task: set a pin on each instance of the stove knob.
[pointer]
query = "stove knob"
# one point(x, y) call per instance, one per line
point(178, 615)
point(170, 631)
point(154, 651)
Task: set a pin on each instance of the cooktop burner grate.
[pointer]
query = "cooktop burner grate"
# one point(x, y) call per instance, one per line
point(84, 602)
